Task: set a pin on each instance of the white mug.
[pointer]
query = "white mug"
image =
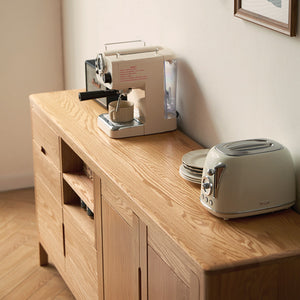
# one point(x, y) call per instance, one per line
point(124, 113)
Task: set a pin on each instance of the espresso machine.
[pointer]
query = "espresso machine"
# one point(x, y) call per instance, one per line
point(145, 76)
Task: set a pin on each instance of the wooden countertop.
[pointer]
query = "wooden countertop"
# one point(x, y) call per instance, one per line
point(147, 170)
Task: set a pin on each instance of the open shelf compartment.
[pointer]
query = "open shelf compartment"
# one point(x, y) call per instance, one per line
point(78, 195)
point(82, 186)
point(77, 177)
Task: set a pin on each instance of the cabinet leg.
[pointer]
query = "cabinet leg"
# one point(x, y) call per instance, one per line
point(43, 255)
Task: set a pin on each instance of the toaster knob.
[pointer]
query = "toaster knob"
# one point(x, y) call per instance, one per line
point(207, 185)
point(211, 172)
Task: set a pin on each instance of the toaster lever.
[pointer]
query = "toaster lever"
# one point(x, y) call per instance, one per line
point(218, 171)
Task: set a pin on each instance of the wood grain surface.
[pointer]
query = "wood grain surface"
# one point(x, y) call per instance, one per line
point(147, 170)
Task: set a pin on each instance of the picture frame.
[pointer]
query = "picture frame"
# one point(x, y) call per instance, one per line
point(278, 15)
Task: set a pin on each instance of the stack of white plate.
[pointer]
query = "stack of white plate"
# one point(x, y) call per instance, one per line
point(192, 165)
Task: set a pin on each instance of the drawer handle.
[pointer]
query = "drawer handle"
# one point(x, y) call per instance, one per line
point(43, 150)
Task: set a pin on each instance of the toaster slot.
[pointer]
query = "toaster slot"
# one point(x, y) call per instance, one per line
point(248, 147)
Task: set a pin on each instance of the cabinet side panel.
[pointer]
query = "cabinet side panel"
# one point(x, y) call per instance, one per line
point(277, 279)
point(289, 274)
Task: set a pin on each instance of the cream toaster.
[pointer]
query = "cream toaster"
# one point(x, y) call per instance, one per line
point(247, 177)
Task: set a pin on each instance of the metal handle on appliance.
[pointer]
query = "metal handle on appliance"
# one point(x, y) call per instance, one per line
point(96, 94)
point(132, 50)
point(218, 171)
point(123, 42)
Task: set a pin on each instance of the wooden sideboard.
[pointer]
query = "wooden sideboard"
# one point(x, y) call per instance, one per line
point(150, 238)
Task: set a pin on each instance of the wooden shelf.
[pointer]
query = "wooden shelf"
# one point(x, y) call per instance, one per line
point(82, 186)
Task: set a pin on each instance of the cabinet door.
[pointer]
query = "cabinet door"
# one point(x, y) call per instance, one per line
point(140, 262)
point(163, 283)
point(120, 254)
point(169, 271)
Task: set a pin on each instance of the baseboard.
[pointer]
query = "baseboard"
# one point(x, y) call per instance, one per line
point(16, 181)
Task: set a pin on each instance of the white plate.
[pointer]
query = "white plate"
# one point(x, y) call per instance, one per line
point(191, 180)
point(195, 159)
point(190, 177)
point(193, 170)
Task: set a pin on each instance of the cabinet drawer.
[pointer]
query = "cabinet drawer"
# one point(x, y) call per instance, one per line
point(46, 139)
point(81, 260)
point(49, 217)
point(46, 171)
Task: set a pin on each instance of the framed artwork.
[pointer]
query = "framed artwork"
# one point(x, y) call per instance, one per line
point(279, 15)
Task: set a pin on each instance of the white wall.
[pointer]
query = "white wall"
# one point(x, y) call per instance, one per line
point(30, 62)
point(237, 80)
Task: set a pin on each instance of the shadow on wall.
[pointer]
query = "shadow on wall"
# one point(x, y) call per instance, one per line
point(194, 116)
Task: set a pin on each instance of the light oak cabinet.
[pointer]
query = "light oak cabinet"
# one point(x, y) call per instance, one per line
point(115, 263)
point(145, 235)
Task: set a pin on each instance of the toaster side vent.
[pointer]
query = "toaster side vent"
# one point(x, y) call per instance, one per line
point(248, 147)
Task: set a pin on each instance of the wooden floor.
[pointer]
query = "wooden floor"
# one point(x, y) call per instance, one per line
point(21, 277)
